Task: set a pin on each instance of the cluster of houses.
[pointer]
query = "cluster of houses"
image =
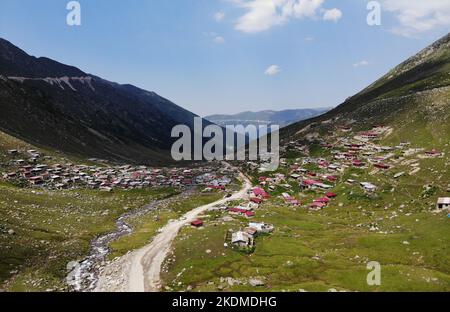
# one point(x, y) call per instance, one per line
point(351, 151)
point(245, 238)
point(107, 177)
point(257, 196)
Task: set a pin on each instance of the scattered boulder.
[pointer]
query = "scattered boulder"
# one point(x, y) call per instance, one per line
point(256, 282)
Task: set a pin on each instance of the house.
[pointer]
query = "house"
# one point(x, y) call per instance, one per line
point(317, 205)
point(250, 214)
point(13, 152)
point(36, 180)
point(262, 179)
point(261, 227)
point(251, 230)
point(308, 183)
point(241, 211)
point(433, 153)
point(331, 195)
point(293, 201)
point(256, 200)
point(323, 200)
point(382, 166)
point(358, 163)
point(324, 186)
point(369, 135)
point(242, 239)
point(443, 203)
point(369, 187)
point(216, 187)
point(197, 223)
point(259, 192)
point(333, 167)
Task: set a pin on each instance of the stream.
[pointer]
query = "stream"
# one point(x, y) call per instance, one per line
point(83, 275)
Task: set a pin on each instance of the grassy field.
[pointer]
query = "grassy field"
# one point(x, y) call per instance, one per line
point(52, 228)
point(329, 249)
point(317, 251)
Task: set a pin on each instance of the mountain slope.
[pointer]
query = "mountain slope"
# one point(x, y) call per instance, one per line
point(51, 104)
point(414, 96)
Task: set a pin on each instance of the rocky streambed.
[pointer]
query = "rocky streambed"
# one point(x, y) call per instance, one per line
point(83, 276)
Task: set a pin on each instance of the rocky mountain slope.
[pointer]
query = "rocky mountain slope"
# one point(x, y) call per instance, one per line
point(59, 106)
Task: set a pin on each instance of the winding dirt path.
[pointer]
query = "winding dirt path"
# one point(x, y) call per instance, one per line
point(139, 271)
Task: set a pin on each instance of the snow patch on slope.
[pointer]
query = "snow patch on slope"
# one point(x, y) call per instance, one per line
point(59, 82)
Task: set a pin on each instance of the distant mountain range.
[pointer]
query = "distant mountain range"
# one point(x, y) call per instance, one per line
point(50, 104)
point(413, 98)
point(267, 117)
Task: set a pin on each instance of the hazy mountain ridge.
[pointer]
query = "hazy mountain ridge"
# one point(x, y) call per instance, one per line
point(267, 117)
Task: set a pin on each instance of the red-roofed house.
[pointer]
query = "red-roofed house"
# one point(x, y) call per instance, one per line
point(197, 223)
point(382, 166)
point(259, 192)
point(322, 200)
point(317, 205)
point(330, 195)
point(256, 200)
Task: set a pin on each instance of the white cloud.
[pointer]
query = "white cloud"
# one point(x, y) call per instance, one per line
point(362, 63)
point(264, 14)
point(215, 37)
point(272, 70)
point(332, 15)
point(219, 40)
point(219, 16)
point(309, 38)
point(418, 16)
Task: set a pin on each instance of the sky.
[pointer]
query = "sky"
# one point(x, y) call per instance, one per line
point(229, 56)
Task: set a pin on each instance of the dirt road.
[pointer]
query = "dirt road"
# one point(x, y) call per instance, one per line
point(139, 271)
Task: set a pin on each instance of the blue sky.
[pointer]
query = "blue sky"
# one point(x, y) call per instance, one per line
point(212, 56)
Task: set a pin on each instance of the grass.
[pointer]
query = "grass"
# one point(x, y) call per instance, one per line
point(286, 260)
point(53, 228)
point(317, 251)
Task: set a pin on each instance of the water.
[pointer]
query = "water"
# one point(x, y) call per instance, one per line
point(83, 276)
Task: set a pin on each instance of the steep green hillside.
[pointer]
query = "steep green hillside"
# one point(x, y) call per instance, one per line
point(413, 98)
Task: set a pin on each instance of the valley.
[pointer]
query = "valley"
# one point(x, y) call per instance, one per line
point(98, 205)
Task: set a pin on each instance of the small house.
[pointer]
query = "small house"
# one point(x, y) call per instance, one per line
point(433, 153)
point(242, 239)
point(382, 166)
point(256, 200)
point(369, 187)
point(197, 223)
point(261, 227)
point(324, 200)
point(259, 192)
point(443, 203)
point(331, 195)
